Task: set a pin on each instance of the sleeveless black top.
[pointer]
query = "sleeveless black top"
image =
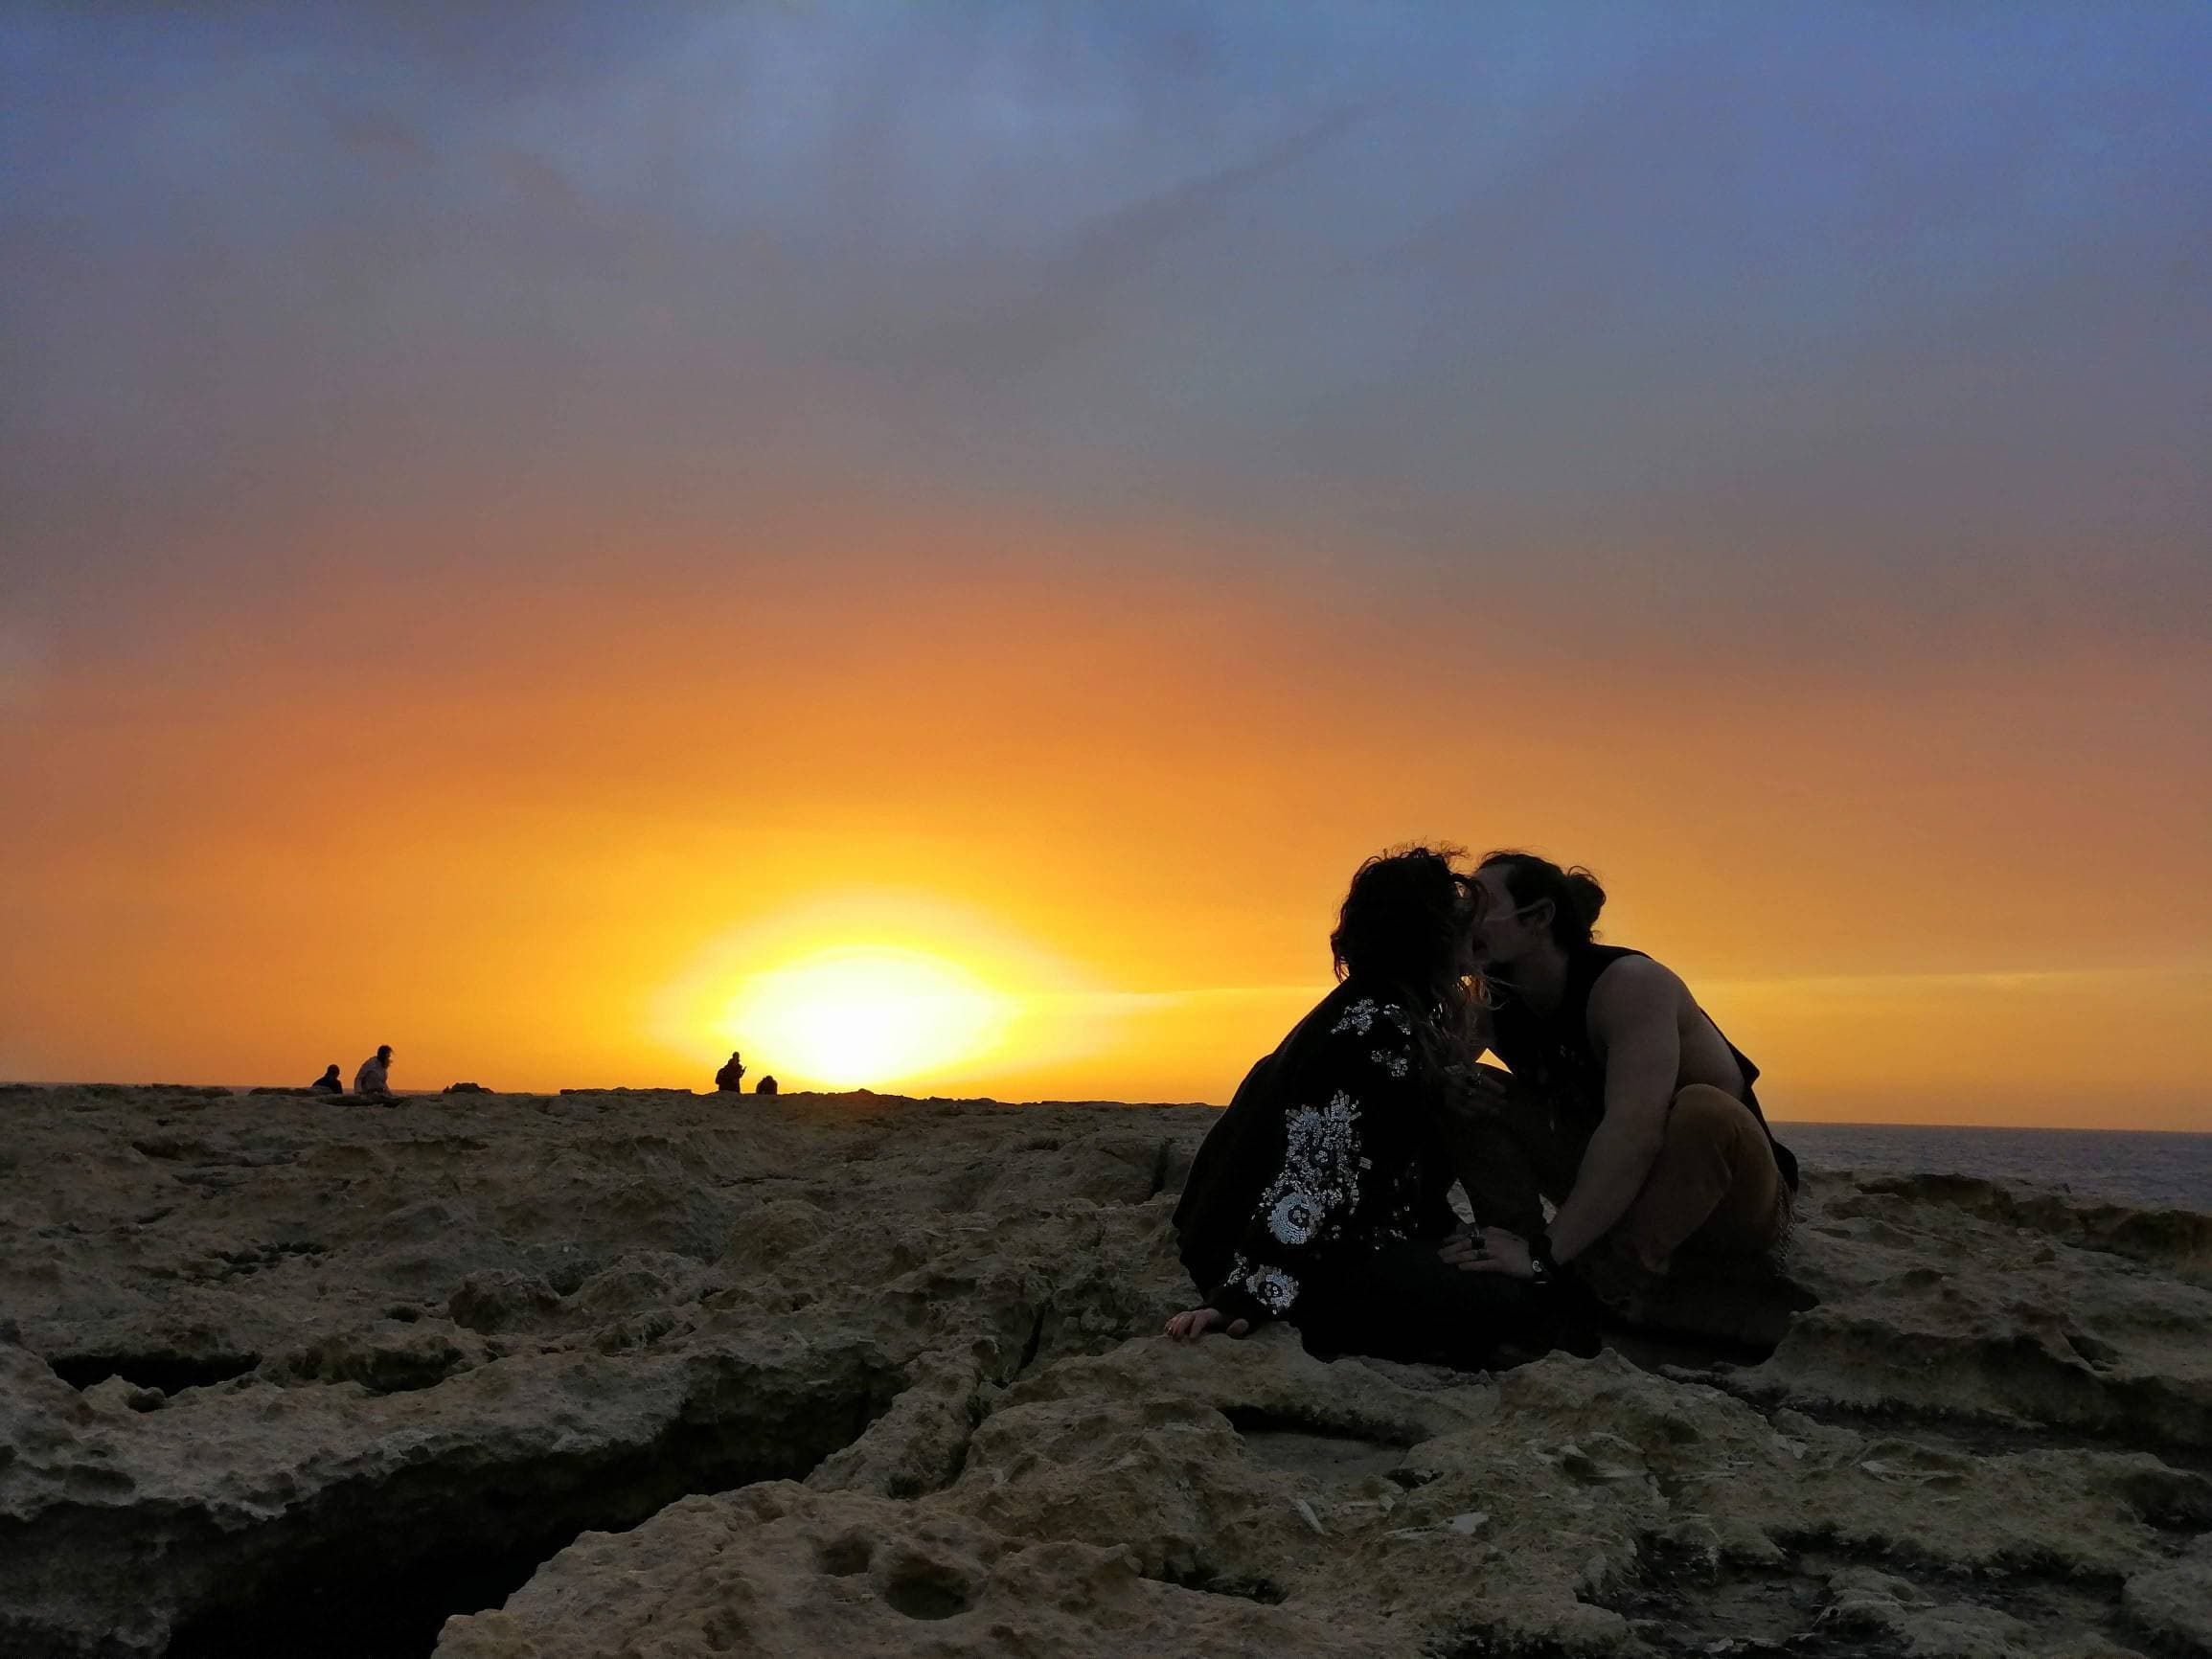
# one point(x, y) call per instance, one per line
point(1554, 1051)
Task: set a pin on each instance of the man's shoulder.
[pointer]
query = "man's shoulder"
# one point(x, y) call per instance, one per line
point(1633, 981)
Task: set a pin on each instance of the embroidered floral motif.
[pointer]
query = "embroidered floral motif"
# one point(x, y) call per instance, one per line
point(1319, 1136)
point(1294, 1217)
point(1359, 1017)
point(1314, 1196)
point(1275, 1289)
point(1329, 1189)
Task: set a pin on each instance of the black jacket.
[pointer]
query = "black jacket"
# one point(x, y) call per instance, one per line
point(1329, 1150)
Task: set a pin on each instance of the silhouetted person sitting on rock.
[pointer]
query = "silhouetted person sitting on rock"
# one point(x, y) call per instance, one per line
point(1625, 1106)
point(328, 1083)
point(766, 1086)
point(375, 1077)
point(1320, 1196)
point(731, 1076)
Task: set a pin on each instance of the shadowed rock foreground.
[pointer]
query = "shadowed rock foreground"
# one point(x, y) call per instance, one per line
point(510, 1376)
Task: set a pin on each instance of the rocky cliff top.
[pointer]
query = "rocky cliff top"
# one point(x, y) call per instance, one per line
point(514, 1376)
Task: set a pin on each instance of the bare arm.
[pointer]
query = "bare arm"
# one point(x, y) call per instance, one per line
point(1634, 1012)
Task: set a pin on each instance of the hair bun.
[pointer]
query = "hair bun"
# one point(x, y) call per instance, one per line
point(1573, 894)
point(1586, 895)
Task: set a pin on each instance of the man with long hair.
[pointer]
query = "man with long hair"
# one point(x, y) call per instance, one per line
point(1320, 1196)
point(1625, 1106)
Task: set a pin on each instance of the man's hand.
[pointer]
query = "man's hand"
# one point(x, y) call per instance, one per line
point(1190, 1327)
point(1492, 1250)
point(1489, 1083)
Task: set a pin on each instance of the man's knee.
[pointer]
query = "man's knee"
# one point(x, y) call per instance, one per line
point(1712, 1130)
point(1703, 1114)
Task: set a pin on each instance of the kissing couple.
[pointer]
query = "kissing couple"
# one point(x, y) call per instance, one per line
point(1321, 1196)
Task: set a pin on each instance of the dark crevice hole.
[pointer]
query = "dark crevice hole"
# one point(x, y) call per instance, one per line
point(1029, 1348)
point(473, 1542)
point(1207, 1582)
point(1788, 1605)
point(379, 1616)
point(1249, 1420)
point(927, 1595)
point(1161, 1158)
point(170, 1373)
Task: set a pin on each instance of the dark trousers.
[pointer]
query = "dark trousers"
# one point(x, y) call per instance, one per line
point(1400, 1302)
point(1508, 1155)
point(1714, 1186)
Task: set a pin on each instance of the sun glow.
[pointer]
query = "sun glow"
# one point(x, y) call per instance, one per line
point(863, 1015)
point(885, 988)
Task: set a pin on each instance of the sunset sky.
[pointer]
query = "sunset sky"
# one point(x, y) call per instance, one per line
point(570, 538)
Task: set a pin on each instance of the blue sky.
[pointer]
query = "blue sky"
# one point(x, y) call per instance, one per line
point(1884, 308)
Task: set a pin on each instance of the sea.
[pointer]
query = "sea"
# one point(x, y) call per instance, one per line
point(2153, 1169)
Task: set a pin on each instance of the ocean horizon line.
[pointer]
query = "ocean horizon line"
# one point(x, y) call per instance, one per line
point(1778, 1120)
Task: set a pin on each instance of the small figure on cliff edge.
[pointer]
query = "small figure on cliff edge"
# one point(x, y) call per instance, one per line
point(766, 1086)
point(730, 1080)
point(375, 1077)
point(328, 1083)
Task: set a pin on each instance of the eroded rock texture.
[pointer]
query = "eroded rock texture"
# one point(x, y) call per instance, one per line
point(654, 1374)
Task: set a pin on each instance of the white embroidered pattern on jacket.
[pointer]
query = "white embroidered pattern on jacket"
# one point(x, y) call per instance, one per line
point(1271, 1287)
point(1294, 1217)
point(1321, 1144)
point(1322, 1165)
point(1275, 1289)
point(1360, 1017)
point(1311, 1202)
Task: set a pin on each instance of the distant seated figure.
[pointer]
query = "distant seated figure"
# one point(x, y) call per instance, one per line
point(375, 1077)
point(766, 1086)
point(731, 1078)
point(328, 1083)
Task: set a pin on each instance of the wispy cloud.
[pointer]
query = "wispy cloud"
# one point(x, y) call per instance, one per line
point(2048, 981)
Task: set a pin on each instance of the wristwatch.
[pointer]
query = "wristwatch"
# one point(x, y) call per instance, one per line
point(1542, 1268)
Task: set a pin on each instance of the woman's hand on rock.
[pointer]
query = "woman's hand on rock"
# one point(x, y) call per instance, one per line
point(1191, 1325)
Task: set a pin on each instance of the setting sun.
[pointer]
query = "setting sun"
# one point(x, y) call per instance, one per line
point(865, 1015)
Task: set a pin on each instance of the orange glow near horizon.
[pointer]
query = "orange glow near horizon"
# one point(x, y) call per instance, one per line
point(1009, 836)
point(863, 1016)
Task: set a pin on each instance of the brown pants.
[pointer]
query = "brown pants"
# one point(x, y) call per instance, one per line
point(1714, 1186)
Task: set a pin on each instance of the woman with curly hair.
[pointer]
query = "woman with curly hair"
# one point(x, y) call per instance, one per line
point(1320, 1196)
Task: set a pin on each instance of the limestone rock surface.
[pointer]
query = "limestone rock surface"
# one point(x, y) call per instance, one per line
point(655, 1374)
